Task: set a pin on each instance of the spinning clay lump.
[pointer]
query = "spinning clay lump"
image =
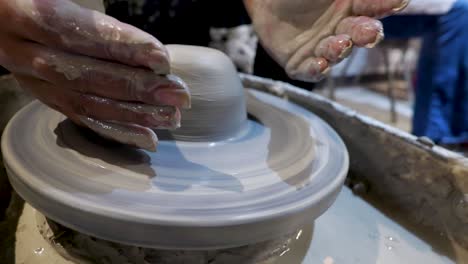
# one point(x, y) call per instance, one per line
point(218, 103)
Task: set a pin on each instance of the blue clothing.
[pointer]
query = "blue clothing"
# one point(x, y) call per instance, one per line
point(441, 106)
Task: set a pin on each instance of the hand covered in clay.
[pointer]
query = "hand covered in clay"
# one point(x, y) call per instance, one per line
point(308, 36)
point(99, 72)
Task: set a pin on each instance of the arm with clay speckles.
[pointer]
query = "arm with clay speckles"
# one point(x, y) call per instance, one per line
point(307, 37)
point(98, 71)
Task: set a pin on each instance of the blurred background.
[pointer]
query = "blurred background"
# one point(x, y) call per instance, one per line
point(416, 79)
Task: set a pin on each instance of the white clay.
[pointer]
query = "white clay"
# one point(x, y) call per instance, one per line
point(218, 109)
point(218, 101)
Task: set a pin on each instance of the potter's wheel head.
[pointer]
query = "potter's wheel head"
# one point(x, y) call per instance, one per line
point(272, 177)
point(273, 173)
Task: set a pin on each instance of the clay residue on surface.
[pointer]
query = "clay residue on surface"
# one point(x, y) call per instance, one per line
point(33, 239)
point(302, 152)
point(85, 249)
point(428, 183)
point(87, 143)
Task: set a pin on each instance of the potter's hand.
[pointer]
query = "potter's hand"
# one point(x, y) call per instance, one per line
point(308, 36)
point(94, 69)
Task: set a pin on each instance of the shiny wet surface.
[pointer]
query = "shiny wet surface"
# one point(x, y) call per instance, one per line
point(351, 231)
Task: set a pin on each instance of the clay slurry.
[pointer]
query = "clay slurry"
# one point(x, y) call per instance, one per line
point(218, 109)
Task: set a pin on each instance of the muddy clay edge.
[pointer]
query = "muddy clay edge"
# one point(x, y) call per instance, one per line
point(426, 182)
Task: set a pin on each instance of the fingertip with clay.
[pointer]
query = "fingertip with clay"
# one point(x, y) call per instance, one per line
point(334, 48)
point(402, 5)
point(155, 57)
point(310, 70)
point(174, 92)
point(346, 47)
point(157, 117)
point(378, 8)
point(364, 31)
point(164, 117)
point(130, 134)
point(378, 38)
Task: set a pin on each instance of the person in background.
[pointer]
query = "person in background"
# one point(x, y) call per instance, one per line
point(441, 101)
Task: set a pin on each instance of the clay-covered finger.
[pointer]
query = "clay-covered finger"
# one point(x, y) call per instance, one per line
point(378, 8)
point(133, 135)
point(156, 117)
point(67, 26)
point(98, 77)
point(334, 48)
point(73, 104)
point(310, 70)
point(364, 31)
point(111, 80)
